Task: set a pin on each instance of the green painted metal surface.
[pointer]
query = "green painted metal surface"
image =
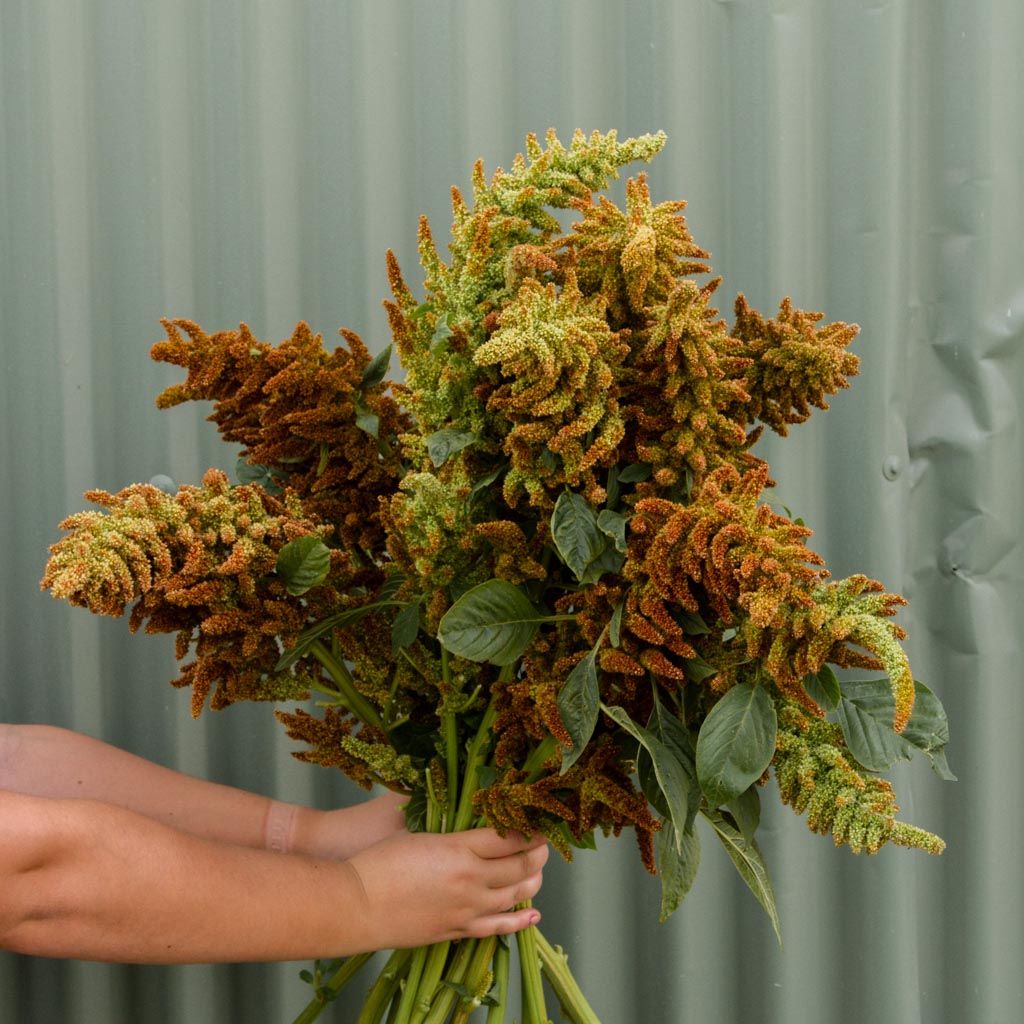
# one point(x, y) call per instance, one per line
point(253, 161)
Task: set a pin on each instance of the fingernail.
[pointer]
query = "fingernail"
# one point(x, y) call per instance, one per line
point(535, 917)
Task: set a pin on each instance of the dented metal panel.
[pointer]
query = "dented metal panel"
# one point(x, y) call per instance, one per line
point(253, 161)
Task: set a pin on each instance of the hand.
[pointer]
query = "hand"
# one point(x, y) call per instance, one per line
point(339, 834)
point(420, 888)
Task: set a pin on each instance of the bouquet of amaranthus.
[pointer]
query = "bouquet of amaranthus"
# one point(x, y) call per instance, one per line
point(537, 584)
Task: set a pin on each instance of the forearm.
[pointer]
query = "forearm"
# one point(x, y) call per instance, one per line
point(98, 882)
point(47, 761)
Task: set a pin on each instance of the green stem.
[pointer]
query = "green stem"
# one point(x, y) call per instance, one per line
point(477, 980)
point(534, 764)
point(450, 729)
point(379, 997)
point(534, 1010)
point(437, 956)
point(456, 975)
point(502, 957)
point(349, 695)
point(555, 965)
point(412, 984)
point(341, 977)
point(475, 757)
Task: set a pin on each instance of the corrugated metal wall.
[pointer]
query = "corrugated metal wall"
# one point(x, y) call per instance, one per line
point(250, 159)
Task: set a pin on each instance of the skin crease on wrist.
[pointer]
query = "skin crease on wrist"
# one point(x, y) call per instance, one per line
point(91, 880)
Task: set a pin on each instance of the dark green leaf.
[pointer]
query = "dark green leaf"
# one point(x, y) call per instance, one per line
point(325, 454)
point(416, 812)
point(668, 770)
point(677, 866)
point(578, 704)
point(377, 368)
point(442, 444)
point(636, 473)
point(609, 560)
point(692, 623)
point(575, 533)
point(665, 724)
point(485, 481)
point(865, 714)
point(749, 863)
point(928, 729)
point(746, 812)
point(492, 622)
point(823, 689)
point(613, 525)
point(368, 421)
point(405, 626)
point(303, 563)
point(615, 628)
point(254, 473)
point(697, 669)
point(306, 976)
point(736, 742)
point(391, 585)
point(612, 489)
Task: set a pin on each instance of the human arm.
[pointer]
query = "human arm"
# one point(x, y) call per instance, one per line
point(43, 760)
point(88, 880)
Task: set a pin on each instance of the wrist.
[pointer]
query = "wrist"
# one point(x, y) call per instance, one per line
point(279, 827)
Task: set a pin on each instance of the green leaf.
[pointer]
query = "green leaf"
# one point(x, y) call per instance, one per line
point(823, 688)
point(736, 742)
point(697, 669)
point(865, 714)
point(377, 368)
point(746, 812)
point(253, 473)
point(303, 563)
point(443, 444)
point(609, 560)
point(749, 863)
point(692, 624)
point(615, 628)
point(613, 525)
point(575, 533)
point(492, 622)
point(405, 626)
point(441, 332)
point(578, 704)
point(669, 772)
point(677, 867)
point(310, 634)
point(928, 729)
point(666, 725)
point(636, 473)
point(368, 421)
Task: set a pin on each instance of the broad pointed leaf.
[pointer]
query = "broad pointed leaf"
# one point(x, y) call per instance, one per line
point(575, 533)
point(492, 622)
point(443, 444)
point(578, 705)
point(736, 742)
point(303, 563)
point(749, 862)
point(668, 770)
point(677, 866)
point(377, 368)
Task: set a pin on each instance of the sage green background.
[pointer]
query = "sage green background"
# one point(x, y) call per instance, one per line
point(252, 159)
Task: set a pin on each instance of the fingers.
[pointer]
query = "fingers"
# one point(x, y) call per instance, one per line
point(504, 924)
point(486, 843)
